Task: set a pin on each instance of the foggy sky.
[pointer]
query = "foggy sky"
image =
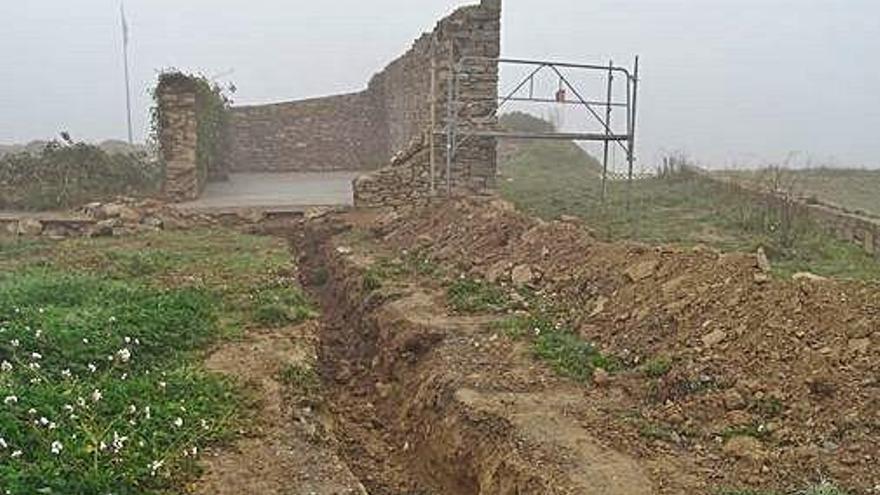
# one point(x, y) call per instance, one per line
point(730, 82)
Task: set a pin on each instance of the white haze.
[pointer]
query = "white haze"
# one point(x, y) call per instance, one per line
point(729, 82)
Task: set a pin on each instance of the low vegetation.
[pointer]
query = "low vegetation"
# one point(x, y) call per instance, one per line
point(101, 341)
point(679, 206)
point(65, 174)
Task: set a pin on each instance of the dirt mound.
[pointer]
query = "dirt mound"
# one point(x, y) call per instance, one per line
point(759, 382)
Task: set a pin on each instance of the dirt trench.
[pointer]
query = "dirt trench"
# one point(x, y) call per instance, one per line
point(426, 403)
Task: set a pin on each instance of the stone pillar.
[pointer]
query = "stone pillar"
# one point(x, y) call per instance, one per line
point(179, 138)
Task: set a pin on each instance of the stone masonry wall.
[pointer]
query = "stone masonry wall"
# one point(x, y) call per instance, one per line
point(846, 226)
point(179, 138)
point(345, 132)
point(388, 125)
point(472, 31)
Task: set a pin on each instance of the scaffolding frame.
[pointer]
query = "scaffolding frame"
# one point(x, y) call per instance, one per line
point(458, 130)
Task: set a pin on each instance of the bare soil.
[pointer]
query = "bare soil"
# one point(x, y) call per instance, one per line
point(285, 449)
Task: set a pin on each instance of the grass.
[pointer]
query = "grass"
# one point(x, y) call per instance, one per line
point(100, 394)
point(467, 295)
point(302, 380)
point(550, 180)
point(657, 367)
point(820, 488)
point(566, 353)
point(852, 189)
point(101, 342)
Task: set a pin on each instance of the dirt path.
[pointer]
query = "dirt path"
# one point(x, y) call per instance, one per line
point(285, 450)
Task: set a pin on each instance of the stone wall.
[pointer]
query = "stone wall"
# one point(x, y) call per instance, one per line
point(344, 132)
point(844, 225)
point(405, 87)
point(388, 125)
point(178, 137)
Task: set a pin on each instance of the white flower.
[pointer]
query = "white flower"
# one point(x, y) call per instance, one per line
point(6, 366)
point(127, 340)
point(92, 368)
point(10, 400)
point(66, 373)
point(15, 343)
point(81, 402)
point(57, 447)
point(44, 421)
point(155, 466)
point(205, 425)
point(34, 366)
point(132, 409)
point(162, 385)
point(32, 411)
point(41, 310)
point(38, 333)
point(36, 356)
point(178, 422)
point(96, 395)
point(85, 340)
point(52, 425)
point(137, 341)
point(3, 444)
point(147, 412)
point(16, 454)
point(68, 408)
point(118, 442)
point(112, 319)
point(124, 355)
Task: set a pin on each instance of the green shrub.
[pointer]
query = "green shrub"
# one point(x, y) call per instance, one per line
point(67, 174)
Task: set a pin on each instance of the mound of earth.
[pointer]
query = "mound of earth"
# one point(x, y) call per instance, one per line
point(749, 380)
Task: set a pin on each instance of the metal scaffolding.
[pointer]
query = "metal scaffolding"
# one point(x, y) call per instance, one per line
point(460, 128)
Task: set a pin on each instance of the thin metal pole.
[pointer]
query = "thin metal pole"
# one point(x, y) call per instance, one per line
point(631, 157)
point(607, 130)
point(432, 138)
point(127, 78)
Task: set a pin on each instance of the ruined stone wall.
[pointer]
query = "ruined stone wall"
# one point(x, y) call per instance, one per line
point(344, 132)
point(178, 136)
point(388, 125)
point(406, 88)
point(863, 231)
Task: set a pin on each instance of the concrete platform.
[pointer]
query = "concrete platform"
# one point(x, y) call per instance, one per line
point(276, 192)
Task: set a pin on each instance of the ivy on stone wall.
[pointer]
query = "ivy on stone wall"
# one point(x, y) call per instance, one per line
point(212, 116)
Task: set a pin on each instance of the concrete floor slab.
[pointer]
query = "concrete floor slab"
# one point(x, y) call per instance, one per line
point(277, 191)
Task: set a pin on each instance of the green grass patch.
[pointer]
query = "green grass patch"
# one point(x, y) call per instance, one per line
point(98, 393)
point(565, 352)
point(467, 295)
point(657, 367)
point(300, 379)
point(552, 179)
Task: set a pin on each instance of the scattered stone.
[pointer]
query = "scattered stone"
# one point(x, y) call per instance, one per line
point(762, 261)
point(810, 277)
point(714, 338)
point(859, 346)
point(601, 377)
point(344, 250)
point(523, 275)
point(601, 301)
point(745, 448)
point(154, 222)
point(29, 227)
point(641, 271)
point(569, 219)
point(762, 278)
point(733, 400)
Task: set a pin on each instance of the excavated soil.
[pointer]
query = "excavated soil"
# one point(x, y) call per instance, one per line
point(284, 451)
point(773, 383)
